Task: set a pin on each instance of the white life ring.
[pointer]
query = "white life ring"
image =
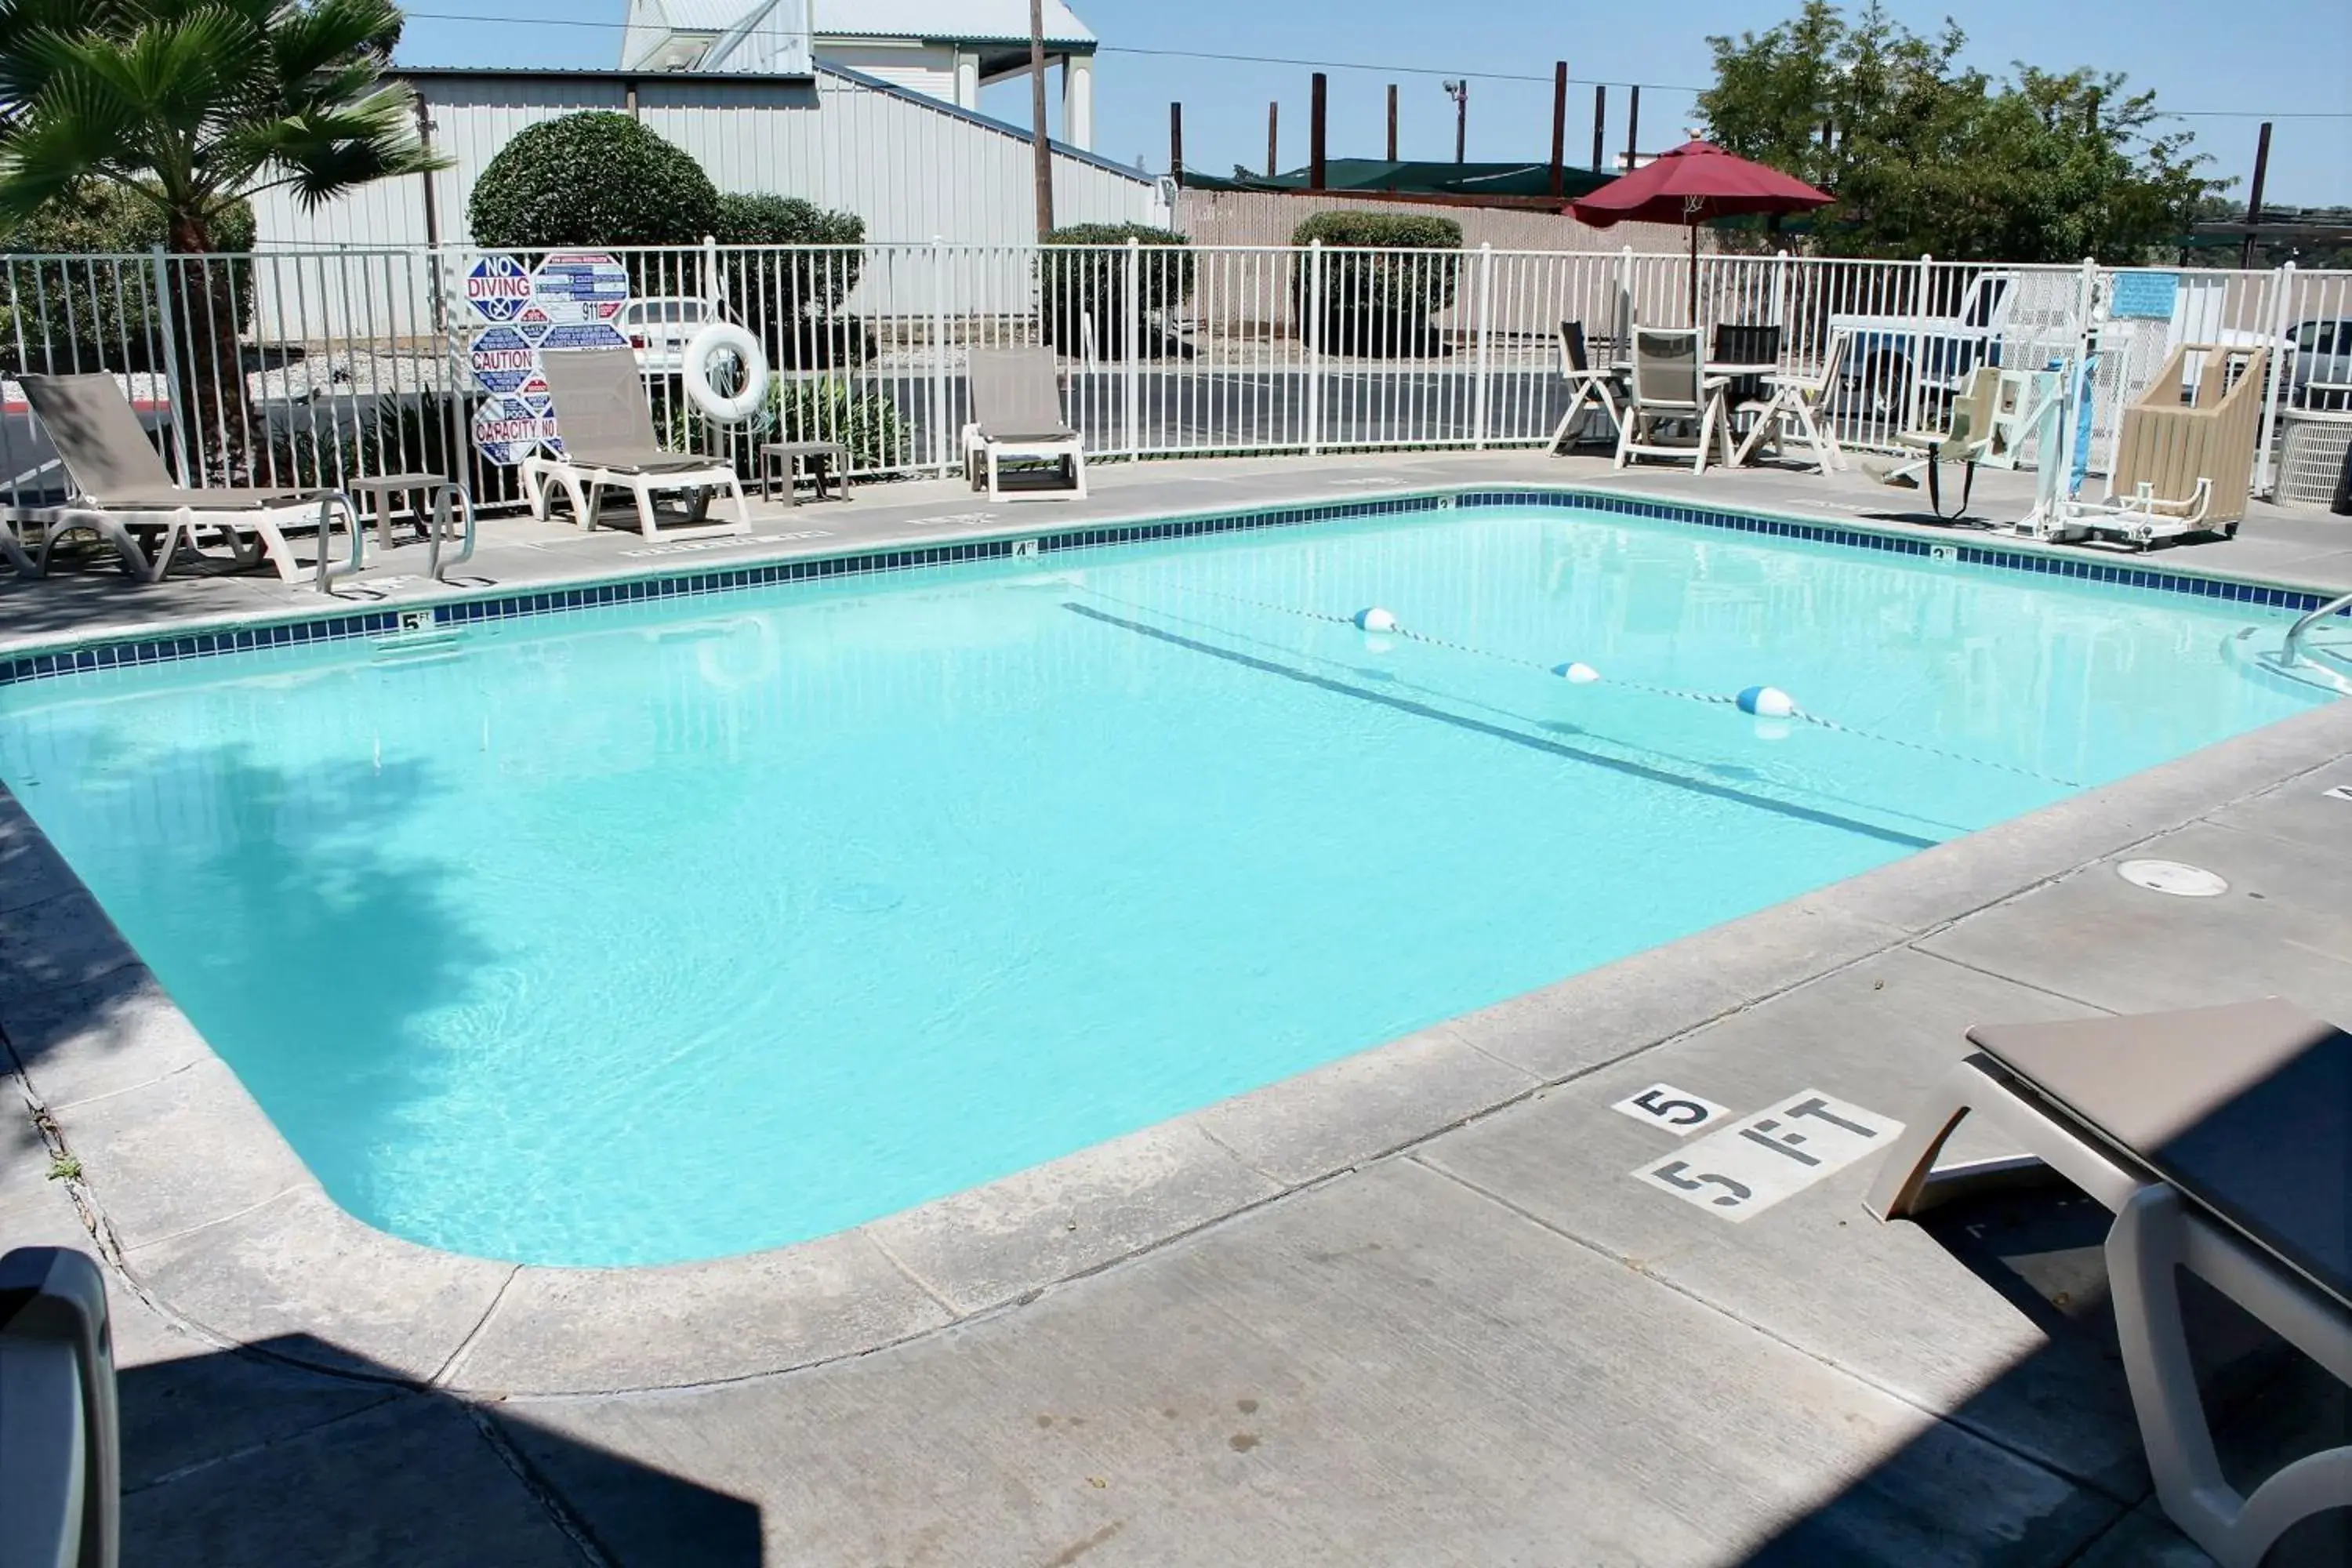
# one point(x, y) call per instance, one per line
point(751, 397)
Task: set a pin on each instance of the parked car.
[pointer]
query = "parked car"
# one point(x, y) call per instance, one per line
point(2322, 353)
point(659, 328)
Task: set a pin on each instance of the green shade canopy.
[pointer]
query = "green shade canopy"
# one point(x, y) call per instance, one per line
point(1472, 179)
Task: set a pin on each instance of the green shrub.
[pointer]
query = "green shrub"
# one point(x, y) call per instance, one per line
point(1380, 304)
point(793, 299)
point(1091, 283)
point(592, 178)
point(828, 409)
point(100, 314)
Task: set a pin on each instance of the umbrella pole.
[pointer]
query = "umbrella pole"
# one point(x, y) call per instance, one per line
point(1693, 277)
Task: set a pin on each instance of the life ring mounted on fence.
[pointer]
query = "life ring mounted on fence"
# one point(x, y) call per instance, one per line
point(725, 338)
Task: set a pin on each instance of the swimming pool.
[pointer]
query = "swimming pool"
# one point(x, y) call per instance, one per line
point(668, 932)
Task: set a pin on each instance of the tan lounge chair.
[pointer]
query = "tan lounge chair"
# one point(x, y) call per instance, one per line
point(122, 491)
point(2221, 1139)
point(1669, 384)
point(1967, 441)
point(1017, 412)
point(607, 430)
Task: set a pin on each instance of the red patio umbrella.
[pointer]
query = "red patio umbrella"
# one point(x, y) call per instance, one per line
point(1695, 181)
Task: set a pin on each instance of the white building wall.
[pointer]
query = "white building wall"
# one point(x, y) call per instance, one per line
point(929, 69)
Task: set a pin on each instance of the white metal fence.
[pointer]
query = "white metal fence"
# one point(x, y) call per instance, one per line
point(356, 360)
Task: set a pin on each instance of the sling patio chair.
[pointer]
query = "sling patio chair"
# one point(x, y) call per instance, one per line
point(1968, 440)
point(1017, 412)
point(1798, 398)
point(1590, 387)
point(1670, 385)
point(606, 428)
point(2221, 1138)
point(123, 492)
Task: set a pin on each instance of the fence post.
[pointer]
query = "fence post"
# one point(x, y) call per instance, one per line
point(712, 287)
point(2282, 322)
point(172, 390)
point(1486, 320)
point(1914, 393)
point(939, 355)
point(1131, 331)
point(1312, 329)
point(2086, 300)
point(1624, 324)
point(1780, 296)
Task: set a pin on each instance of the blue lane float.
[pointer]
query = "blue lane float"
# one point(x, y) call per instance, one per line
point(1767, 702)
point(1374, 619)
point(1576, 673)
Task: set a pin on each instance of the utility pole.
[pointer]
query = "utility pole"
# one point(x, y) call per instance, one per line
point(1176, 143)
point(1392, 122)
point(2254, 194)
point(1272, 137)
point(1600, 125)
point(1633, 128)
point(1315, 109)
point(1558, 129)
point(1045, 148)
point(1459, 91)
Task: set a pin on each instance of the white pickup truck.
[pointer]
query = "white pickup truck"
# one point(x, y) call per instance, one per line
point(1884, 352)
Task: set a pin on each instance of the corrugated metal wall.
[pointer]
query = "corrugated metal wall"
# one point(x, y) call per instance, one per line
point(914, 169)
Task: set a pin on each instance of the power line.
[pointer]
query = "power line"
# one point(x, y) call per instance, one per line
point(1544, 79)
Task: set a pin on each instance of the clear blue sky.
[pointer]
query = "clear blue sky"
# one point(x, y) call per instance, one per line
point(2252, 57)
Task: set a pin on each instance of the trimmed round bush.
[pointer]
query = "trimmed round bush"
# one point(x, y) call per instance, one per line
point(792, 299)
point(1090, 284)
point(591, 178)
point(1380, 305)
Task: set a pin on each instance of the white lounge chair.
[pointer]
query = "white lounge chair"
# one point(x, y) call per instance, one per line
point(607, 430)
point(1670, 385)
point(122, 491)
point(2221, 1139)
point(1017, 412)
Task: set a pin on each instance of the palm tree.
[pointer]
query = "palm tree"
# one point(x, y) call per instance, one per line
point(193, 106)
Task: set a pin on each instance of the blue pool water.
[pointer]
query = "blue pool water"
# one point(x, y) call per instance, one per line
point(671, 932)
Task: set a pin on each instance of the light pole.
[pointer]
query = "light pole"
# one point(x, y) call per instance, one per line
point(1459, 91)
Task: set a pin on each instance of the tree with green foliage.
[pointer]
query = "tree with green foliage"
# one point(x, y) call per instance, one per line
point(591, 178)
point(1928, 156)
point(189, 108)
point(97, 311)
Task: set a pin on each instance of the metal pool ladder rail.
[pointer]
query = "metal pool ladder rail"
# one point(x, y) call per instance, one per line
point(2296, 631)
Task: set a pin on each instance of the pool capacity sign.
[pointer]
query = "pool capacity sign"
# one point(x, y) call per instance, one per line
point(571, 299)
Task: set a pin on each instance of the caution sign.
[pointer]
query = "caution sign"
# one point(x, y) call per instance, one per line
point(502, 359)
point(497, 289)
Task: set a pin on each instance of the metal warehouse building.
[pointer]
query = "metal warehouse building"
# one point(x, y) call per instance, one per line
point(913, 167)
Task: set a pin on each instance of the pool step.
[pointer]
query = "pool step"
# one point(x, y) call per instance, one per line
point(428, 646)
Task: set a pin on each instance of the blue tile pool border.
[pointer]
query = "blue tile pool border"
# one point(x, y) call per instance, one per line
point(347, 625)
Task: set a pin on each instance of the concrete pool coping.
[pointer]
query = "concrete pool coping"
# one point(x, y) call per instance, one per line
point(211, 1217)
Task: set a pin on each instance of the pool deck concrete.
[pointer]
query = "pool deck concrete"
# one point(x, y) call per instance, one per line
point(1411, 1308)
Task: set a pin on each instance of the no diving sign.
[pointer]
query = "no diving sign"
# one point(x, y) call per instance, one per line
point(497, 288)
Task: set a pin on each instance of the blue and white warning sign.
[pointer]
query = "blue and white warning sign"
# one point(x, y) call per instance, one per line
point(508, 429)
point(497, 289)
point(570, 300)
point(502, 359)
point(566, 335)
point(574, 286)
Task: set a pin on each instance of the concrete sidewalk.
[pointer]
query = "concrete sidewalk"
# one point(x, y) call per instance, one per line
point(1495, 1344)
